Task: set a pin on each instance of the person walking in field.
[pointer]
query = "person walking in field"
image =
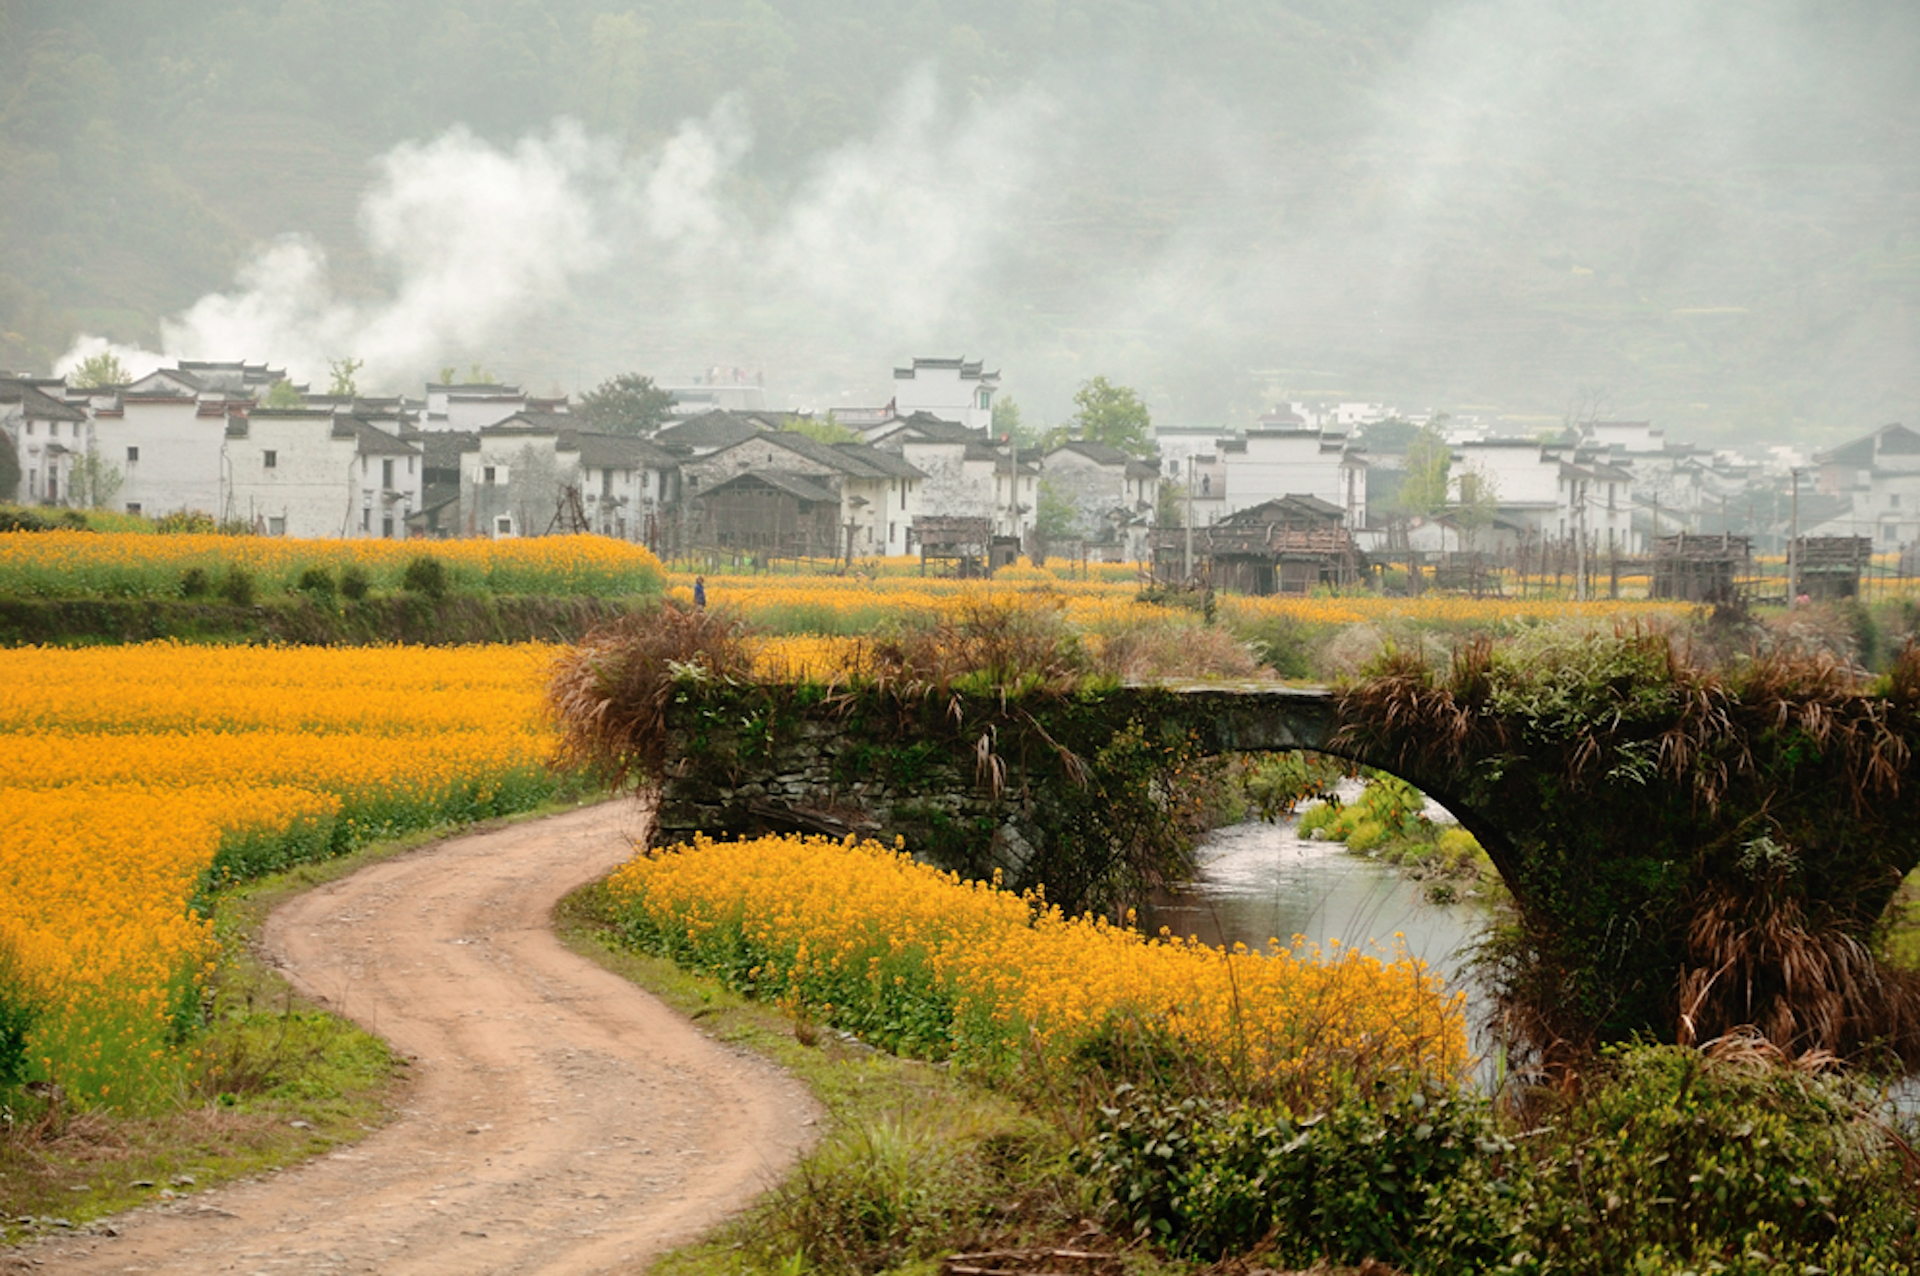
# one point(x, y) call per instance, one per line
point(700, 593)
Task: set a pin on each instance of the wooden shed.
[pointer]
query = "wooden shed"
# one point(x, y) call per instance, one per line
point(1830, 566)
point(1700, 569)
point(1292, 545)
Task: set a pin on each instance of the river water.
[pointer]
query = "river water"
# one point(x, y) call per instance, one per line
point(1259, 881)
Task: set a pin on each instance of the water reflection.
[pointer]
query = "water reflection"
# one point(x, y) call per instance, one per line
point(1263, 881)
point(1259, 881)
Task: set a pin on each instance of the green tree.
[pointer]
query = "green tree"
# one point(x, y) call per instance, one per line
point(1008, 424)
point(822, 429)
point(101, 369)
point(283, 395)
point(1054, 517)
point(1477, 504)
point(1395, 434)
point(626, 404)
point(93, 482)
point(9, 468)
point(1113, 415)
point(343, 370)
point(1429, 465)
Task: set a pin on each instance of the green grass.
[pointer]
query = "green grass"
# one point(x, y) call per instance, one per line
point(916, 1161)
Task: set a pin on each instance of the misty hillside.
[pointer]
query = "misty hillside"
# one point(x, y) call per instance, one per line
point(1708, 213)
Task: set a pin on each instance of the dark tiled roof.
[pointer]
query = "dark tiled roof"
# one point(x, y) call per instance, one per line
point(967, 371)
point(890, 464)
point(709, 430)
point(1293, 505)
point(799, 486)
point(36, 403)
point(932, 429)
point(827, 454)
point(442, 448)
point(602, 451)
point(1096, 452)
point(373, 441)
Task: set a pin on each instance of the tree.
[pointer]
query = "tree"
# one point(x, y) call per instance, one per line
point(9, 468)
point(101, 369)
point(343, 370)
point(1055, 519)
point(1429, 463)
point(1008, 425)
point(626, 404)
point(283, 395)
point(822, 429)
point(93, 482)
point(1113, 415)
point(1478, 504)
point(1395, 434)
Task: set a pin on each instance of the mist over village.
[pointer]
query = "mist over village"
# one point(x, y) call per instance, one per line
point(1029, 638)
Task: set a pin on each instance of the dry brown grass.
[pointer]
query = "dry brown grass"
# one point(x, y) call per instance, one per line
point(609, 695)
point(1760, 968)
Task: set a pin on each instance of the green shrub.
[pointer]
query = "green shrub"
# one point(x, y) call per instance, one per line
point(14, 518)
point(318, 583)
point(1676, 1162)
point(19, 1009)
point(184, 522)
point(426, 575)
point(1210, 1179)
point(1276, 783)
point(898, 1189)
point(237, 586)
point(195, 583)
point(354, 584)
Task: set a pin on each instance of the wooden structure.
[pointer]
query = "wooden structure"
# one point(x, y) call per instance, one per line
point(1830, 566)
point(1287, 546)
point(1470, 573)
point(569, 516)
point(964, 543)
point(1700, 569)
point(769, 513)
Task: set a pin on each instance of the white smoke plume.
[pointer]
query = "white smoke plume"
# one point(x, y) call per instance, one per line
point(471, 236)
point(880, 241)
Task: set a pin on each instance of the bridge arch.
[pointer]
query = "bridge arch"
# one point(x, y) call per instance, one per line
point(1664, 874)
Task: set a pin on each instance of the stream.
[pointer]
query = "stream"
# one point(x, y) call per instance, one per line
point(1259, 881)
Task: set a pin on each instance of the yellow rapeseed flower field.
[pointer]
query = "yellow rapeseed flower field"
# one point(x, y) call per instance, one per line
point(67, 564)
point(922, 960)
point(131, 776)
point(830, 604)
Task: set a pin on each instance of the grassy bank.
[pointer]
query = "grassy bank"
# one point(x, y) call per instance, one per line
point(302, 620)
point(916, 1160)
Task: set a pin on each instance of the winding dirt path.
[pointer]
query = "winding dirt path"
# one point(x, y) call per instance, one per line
point(560, 1120)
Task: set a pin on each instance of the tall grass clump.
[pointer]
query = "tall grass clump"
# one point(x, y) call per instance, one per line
point(609, 694)
point(1692, 846)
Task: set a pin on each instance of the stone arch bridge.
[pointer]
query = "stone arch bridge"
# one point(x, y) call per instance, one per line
point(1783, 822)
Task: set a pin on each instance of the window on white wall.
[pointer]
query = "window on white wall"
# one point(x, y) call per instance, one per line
point(270, 459)
point(276, 527)
point(133, 454)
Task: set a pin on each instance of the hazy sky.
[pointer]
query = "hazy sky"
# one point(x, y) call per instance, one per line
point(1705, 212)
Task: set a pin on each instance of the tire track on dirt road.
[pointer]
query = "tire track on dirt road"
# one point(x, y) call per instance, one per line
point(560, 1120)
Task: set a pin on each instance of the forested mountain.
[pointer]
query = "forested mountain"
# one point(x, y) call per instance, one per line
point(1707, 211)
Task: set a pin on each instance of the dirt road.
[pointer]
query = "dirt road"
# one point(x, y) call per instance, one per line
point(561, 1121)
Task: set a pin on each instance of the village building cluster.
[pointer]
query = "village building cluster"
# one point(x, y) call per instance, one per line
point(1302, 498)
